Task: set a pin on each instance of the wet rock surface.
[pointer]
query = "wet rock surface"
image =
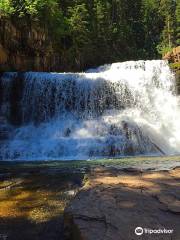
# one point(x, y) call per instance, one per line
point(33, 198)
point(4, 129)
point(114, 202)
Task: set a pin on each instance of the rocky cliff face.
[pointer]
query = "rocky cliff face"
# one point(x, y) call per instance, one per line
point(173, 56)
point(174, 60)
point(26, 47)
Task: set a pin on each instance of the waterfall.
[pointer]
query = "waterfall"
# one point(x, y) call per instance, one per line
point(121, 109)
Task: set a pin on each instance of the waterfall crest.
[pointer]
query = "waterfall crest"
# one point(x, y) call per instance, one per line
point(115, 110)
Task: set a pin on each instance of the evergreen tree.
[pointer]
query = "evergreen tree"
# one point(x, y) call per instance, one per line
point(78, 18)
point(93, 32)
point(167, 10)
point(178, 23)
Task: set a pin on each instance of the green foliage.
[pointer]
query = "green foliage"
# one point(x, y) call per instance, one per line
point(79, 22)
point(101, 31)
point(168, 35)
point(175, 65)
point(178, 23)
point(153, 25)
point(34, 8)
point(6, 8)
point(163, 49)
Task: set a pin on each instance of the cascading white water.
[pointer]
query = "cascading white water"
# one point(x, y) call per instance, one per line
point(121, 109)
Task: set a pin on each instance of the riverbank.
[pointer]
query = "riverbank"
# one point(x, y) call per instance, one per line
point(115, 202)
point(33, 195)
point(33, 198)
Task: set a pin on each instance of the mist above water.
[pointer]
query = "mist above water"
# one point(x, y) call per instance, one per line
point(115, 110)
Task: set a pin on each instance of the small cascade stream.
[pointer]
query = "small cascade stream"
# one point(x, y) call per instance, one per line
point(121, 109)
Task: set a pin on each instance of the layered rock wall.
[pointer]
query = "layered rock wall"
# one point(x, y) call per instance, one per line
point(26, 47)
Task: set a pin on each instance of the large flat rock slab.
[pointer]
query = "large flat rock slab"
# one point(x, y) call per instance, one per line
point(114, 202)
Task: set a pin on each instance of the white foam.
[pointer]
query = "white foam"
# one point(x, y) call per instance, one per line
point(119, 109)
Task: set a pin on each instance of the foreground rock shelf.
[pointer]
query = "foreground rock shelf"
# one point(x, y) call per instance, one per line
point(114, 202)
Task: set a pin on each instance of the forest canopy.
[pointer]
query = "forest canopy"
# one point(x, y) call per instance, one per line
point(99, 31)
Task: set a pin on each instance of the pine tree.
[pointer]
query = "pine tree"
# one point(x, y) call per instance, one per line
point(178, 23)
point(167, 10)
point(78, 18)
